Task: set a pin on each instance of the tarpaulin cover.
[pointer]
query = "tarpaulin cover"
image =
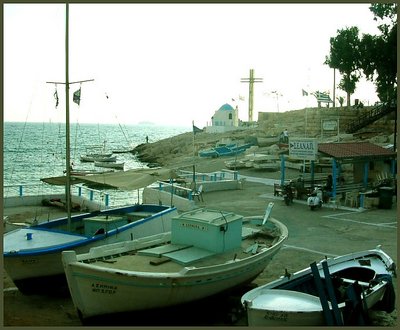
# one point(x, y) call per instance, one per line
point(126, 180)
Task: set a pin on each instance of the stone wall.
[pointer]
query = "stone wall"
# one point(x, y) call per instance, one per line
point(308, 122)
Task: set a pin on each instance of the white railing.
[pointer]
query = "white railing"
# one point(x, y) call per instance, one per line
point(214, 176)
point(22, 190)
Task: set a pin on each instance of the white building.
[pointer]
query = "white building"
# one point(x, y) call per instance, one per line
point(225, 119)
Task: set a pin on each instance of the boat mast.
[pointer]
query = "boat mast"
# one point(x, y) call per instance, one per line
point(67, 128)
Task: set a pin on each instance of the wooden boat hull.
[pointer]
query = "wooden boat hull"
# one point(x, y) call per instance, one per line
point(98, 290)
point(119, 166)
point(280, 303)
point(288, 308)
point(29, 262)
point(290, 313)
point(114, 292)
point(98, 158)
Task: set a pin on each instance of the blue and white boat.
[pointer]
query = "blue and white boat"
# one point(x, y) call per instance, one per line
point(32, 255)
point(225, 150)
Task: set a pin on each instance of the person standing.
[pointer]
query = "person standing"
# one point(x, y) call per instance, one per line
point(286, 136)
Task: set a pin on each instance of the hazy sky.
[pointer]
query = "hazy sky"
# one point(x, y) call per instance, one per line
point(171, 63)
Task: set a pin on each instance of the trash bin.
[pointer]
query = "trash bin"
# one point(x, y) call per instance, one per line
point(385, 197)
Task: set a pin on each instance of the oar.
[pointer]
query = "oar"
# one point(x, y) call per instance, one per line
point(267, 212)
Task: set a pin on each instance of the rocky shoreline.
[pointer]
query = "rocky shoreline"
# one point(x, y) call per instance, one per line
point(181, 151)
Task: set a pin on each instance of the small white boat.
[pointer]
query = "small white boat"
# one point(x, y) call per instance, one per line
point(206, 252)
point(32, 255)
point(118, 166)
point(355, 283)
point(267, 165)
point(78, 172)
point(235, 164)
point(98, 158)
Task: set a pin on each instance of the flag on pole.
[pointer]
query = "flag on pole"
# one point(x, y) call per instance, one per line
point(322, 97)
point(304, 92)
point(56, 97)
point(196, 129)
point(77, 96)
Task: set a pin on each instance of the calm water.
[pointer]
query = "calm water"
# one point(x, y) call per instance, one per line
point(33, 151)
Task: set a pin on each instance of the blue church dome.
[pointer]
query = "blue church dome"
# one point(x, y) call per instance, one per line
point(226, 107)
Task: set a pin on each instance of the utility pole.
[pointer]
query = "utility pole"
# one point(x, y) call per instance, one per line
point(251, 80)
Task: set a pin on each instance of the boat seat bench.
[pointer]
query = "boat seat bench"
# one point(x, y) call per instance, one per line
point(159, 251)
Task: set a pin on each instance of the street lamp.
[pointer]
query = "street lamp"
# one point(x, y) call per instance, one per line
point(277, 98)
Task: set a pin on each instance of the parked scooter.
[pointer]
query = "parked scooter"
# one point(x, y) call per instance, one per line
point(315, 199)
point(288, 193)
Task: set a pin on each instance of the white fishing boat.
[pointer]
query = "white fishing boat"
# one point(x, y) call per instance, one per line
point(79, 172)
point(206, 252)
point(235, 164)
point(98, 153)
point(117, 166)
point(32, 255)
point(98, 158)
point(356, 283)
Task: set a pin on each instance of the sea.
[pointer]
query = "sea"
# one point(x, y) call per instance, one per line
point(32, 151)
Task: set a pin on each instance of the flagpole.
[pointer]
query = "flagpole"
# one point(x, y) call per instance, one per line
point(194, 166)
point(334, 89)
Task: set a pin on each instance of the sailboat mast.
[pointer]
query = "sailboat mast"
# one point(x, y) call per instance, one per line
point(67, 126)
point(67, 129)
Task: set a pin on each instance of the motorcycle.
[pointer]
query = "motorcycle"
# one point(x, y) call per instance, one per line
point(287, 194)
point(315, 199)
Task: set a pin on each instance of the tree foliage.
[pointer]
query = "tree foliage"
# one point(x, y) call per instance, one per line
point(373, 55)
point(345, 56)
point(379, 53)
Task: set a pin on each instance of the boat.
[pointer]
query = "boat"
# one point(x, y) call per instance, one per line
point(207, 252)
point(212, 153)
point(235, 164)
point(32, 255)
point(357, 281)
point(271, 166)
point(98, 153)
point(83, 172)
point(225, 150)
point(98, 158)
point(265, 162)
point(118, 166)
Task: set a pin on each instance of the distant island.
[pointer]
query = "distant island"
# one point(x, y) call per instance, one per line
point(145, 123)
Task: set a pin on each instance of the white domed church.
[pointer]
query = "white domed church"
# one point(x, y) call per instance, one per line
point(225, 119)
